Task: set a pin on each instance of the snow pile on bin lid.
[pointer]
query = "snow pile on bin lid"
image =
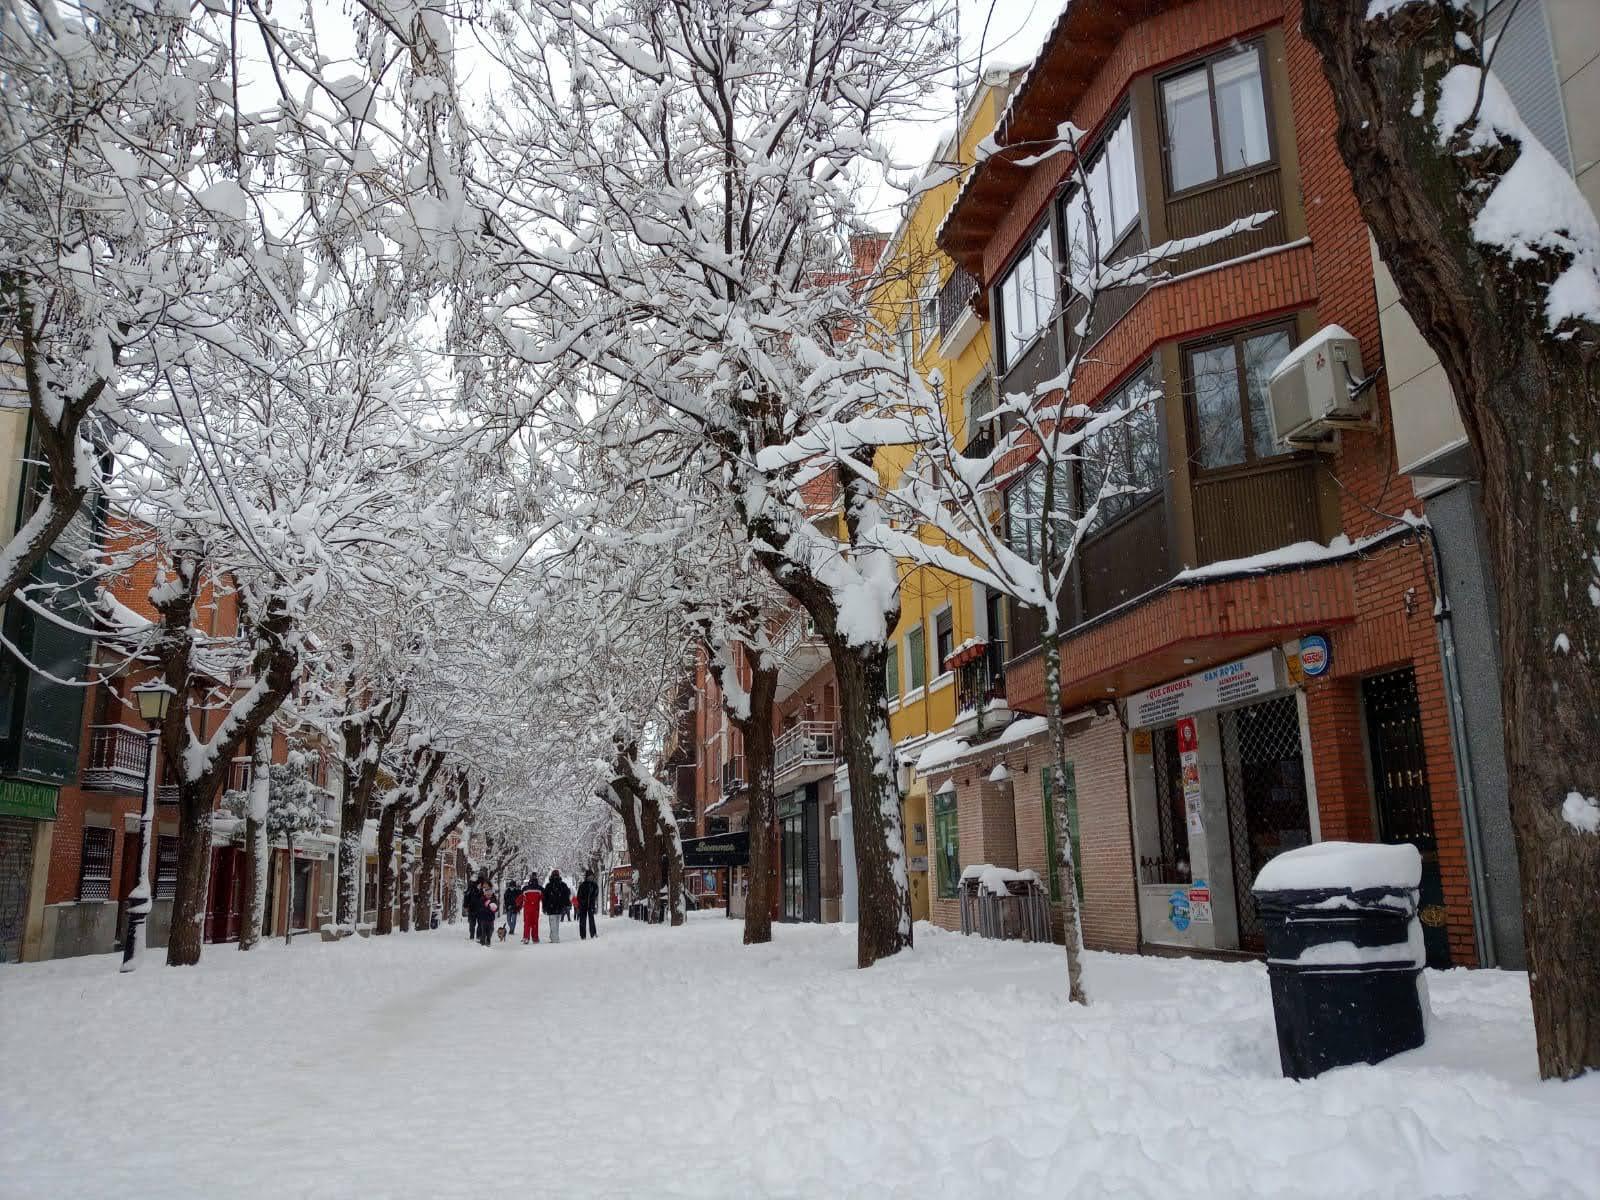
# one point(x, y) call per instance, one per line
point(993, 879)
point(1353, 865)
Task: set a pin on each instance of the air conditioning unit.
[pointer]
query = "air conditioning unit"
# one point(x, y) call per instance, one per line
point(1318, 389)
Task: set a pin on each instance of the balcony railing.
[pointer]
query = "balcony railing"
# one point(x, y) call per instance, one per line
point(802, 743)
point(981, 687)
point(117, 759)
point(955, 297)
point(733, 776)
point(797, 631)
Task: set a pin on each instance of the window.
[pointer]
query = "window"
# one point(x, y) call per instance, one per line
point(1052, 829)
point(891, 672)
point(94, 868)
point(947, 841)
point(980, 407)
point(1099, 215)
point(917, 658)
point(928, 310)
point(1025, 508)
point(1216, 119)
point(944, 640)
point(166, 867)
point(1126, 454)
point(1027, 296)
point(903, 336)
point(1227, 384)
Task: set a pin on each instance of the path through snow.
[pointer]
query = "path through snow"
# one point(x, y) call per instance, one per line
point(658, 1063)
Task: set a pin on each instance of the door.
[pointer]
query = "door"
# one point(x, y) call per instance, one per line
point(793, 864)
point(1400, 788)
point(1267, 808)
point(16, 880)
point(915, 821)
point(225, 909)
point(300, 911)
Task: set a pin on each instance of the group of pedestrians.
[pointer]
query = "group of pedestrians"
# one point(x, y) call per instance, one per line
point(554, 897)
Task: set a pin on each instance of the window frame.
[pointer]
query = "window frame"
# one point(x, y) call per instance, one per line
point(928, 313)
point(944, 617)
point(891, 672)
point(1191, 407)
point(98, 879)
point(1098, 154)
point(1151, 370)
point(1044, 229)
point(920, 635)
point(1209, 61)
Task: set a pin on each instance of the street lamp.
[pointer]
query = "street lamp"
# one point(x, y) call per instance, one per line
point(153, 698)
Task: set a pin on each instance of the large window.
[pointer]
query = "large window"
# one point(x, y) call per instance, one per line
point(1126, 455)
point(1025, 509)
point(891, 672)
point(1216, 118)
point(944, 641)
point(1227, 386)
point(1068, 795)
point(1027, 296)
point(947, 841)
point(1099, 215)
point(917, 658)
point(94, 867)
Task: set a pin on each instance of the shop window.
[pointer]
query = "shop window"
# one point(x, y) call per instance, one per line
point(166, 867)
point(1125, 456)
point(1068, 793)
point(944, 641)
point(1216, 119)
point(1105, 208)
point(917, 658)
point(1027, 296)
point(94, 866)
point(947, 843)
point(1227, 394)
point(891, 672)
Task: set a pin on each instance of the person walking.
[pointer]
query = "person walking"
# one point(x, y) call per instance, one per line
point(532, 897)
point(557, 899)
point(487, 913)
point(588, 901)
point(513, 903)
point(472, 901)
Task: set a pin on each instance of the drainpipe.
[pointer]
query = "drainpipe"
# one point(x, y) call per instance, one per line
point(1481, 928)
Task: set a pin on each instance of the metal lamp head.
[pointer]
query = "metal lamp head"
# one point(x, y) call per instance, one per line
point(153, 698)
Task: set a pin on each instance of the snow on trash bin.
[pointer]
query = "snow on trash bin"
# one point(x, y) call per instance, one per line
point(1344, 953)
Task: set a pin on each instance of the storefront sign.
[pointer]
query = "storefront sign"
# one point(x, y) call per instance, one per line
point(719, 850)
point(1315, 655)
point(1199, 898)
point(19, 798)
point(1227, 684)
point(1189, 763)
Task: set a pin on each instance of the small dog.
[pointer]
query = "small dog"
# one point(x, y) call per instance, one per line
point(502, 933)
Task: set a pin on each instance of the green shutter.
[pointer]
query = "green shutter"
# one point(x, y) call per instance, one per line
point(1051, 835)
point(947, 844)
point(891, 671)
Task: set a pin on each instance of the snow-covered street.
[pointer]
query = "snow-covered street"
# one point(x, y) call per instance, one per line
point(679, 1063)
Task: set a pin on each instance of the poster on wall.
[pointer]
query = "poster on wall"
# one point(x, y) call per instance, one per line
point(1199, 898)
point(1189, 764)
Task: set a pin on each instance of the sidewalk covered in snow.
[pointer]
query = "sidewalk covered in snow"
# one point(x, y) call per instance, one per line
point(659, 1062)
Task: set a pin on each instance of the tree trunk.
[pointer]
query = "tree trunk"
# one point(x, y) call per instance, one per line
point(427, 872)
point(762, 821)
point(257, 849)
point(288, 924)
point(672, 847)
point(883, 894)
point(386, 867)
point(194, 877)
point(1071, 921)
point(408, 866)
point(352, 822)
point(1530, 400)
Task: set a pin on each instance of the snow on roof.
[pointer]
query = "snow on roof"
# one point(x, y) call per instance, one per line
point(1302, 554)
point(1353, 865)
point(1022, 730)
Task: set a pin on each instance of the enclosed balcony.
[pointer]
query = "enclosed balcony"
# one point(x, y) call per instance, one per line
point(805, 751)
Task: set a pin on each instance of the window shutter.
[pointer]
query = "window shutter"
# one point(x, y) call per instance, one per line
point(1525, 62)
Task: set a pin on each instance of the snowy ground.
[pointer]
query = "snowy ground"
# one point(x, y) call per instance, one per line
point(656, 1063)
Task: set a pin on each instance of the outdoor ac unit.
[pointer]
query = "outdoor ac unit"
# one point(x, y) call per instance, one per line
point(1319, 388)
point(833, 827)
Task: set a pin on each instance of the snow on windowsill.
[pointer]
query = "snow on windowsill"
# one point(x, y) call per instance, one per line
point(940, 682)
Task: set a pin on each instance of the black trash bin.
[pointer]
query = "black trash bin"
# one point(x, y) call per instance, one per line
point(1344, 962)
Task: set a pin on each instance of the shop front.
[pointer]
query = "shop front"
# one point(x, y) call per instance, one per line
point(1220, 783)
point(800, 855)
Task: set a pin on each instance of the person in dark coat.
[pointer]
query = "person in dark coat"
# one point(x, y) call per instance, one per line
point(510, 906)
point(486, 913)
point(557, 901)
point(472, 904)
point(588, 901)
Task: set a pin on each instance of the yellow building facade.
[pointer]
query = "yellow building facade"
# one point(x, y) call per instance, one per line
point(926, 301)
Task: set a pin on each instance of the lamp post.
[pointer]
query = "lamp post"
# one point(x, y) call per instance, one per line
point(153, 699)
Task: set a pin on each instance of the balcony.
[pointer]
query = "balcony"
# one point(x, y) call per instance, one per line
point(981, 693)
point(733, 776)
point(117, 759)
point(806, 750)
point(1248, 511)
point(958, 320)
point(801, 651)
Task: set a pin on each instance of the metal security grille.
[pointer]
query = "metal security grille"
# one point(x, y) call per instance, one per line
point(166, 867)
point(1172, 864)
point(16, 873)
point(94, 869)
point(1267, 810)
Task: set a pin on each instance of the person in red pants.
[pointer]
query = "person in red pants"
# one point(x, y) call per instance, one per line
point(532, 898)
